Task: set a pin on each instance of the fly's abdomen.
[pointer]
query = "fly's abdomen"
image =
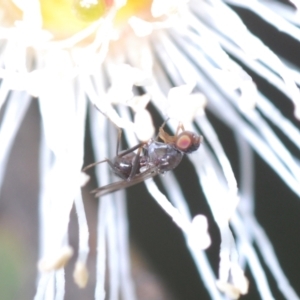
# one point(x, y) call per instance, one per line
point(122, 165)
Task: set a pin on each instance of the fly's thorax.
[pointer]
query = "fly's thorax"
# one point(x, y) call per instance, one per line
point(163, 156)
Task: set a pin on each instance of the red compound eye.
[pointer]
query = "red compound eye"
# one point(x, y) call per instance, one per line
point(183, 142)
point(188, 142)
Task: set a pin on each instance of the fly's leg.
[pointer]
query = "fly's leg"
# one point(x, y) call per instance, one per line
point(124, 152)
point(95, 164)
point(161, 129)
point(135, 165)
point(117, 148)
point(136, 162)
point(180, 126)
point(118, 141)
point(164, 123)
point(167, 138)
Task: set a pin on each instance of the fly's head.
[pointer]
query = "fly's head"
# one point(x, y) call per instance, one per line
point(188, 142)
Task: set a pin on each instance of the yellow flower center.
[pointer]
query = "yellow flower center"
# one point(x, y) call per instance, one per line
point(63, 18)
point(139, 8)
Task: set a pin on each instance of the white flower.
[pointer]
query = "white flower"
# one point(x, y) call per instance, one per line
point(190, 61)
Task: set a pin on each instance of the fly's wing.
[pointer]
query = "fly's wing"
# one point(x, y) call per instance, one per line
point(112, 187)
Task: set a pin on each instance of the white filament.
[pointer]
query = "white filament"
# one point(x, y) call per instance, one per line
point(188, 75)
point(254, 230)
point(283, 26)
point(83, 229)
point(112, 223)
point(14, 113)
point(62, 150)
point(175, 195)
point(98, 131)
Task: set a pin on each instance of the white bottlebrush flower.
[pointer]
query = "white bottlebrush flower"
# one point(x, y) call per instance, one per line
point(196, 63)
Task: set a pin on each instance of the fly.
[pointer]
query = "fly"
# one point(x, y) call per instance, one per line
point(152, 158)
